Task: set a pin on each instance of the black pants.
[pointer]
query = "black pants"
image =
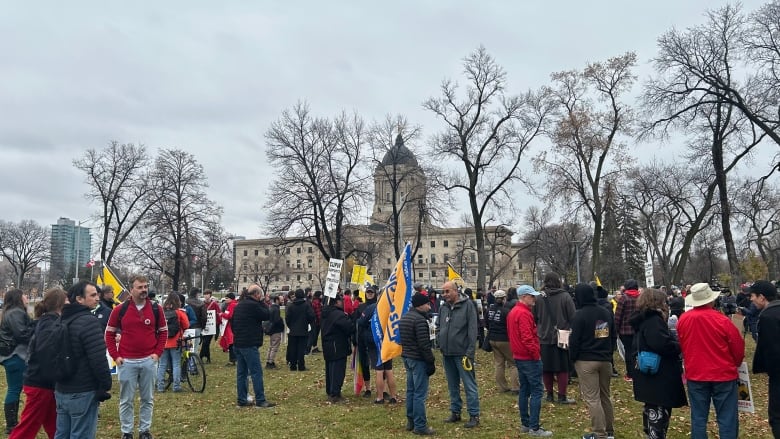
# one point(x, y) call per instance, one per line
point(628, 344)
point(365, 368)
point(205, 347)
point(335, 371)
point(774, 405)
point(655, 420)
point(231, 354)
point(314, 334)
point(297, 347)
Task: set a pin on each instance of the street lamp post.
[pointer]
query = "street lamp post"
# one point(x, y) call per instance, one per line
point(577, 251)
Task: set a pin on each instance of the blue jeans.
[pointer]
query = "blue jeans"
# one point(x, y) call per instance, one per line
point(416, 392)
point(529, 373)
point(77, 415)
point(453, 369)
point(14, 376)
point(136, 374)
point(248, 363)
point(724, 397)
point(169, 356)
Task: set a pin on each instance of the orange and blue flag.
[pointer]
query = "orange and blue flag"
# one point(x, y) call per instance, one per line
point(394, 301)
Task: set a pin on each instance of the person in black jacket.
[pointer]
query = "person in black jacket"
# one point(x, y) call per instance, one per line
point(91, 382)
point(365, 339)
point(299, 315)
point(248, 317)
point(499, 341)
point(419, 362)
point(337, 329)
point(590, 347)
point(105, 305)
point(275, 331)
point(664, 390)
point(767, 356)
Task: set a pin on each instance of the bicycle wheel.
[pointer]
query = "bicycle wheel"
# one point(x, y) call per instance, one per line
point(196, 374)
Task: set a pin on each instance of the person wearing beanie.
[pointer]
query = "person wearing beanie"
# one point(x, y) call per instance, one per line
point(365, 339)
point(298, 316)
point(337, 330)
point(419, 363)
point(625, 307)
point(767, 356)
point(590, 348)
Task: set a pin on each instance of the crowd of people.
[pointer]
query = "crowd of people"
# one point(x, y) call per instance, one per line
point(541, 339)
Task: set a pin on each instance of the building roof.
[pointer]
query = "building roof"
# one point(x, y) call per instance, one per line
point(399, 154)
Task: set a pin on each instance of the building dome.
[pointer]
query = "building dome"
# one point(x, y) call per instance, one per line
point(399, 154)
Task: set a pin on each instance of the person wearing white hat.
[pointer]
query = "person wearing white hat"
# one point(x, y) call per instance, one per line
point(712, 349)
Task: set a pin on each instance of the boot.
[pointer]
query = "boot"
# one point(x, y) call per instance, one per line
point(454, 417)
point(11, 416)
point(473, 422)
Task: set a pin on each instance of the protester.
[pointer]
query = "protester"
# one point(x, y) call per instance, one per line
point(248, 317)
point(385, 380)
point(211, 305)
point(590, 347)
point(676, 303)
point(171, 356)
point(457, 340)
point(226, 340)
point(314, 331)
point(625, 308)
point(298, 316)
point(767, 356)
point(15, 332)
point(40, 407)
point(712, 351)
point(664, 390)
point(79, 395)
point(526, 350)
point(553, 311)
point(365, 339)
point(499, 342)
point(105, 305)
point(419, 363)
point(275, 331)
point(144, 334)
point(337, 330)
point(199, 310)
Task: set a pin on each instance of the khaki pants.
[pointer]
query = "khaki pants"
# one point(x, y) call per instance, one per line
point(594, 378)
point(503, 362)
point(276, 340)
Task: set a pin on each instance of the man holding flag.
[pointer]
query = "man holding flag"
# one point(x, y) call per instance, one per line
point(458, 341)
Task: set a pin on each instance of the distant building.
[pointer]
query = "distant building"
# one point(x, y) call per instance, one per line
point(398, 181)
point(69, 242)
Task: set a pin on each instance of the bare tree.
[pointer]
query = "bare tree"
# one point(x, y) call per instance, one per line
point(554, 245)
point(24, 245)
point(756, 211)
point(487, 132)
point(118, 179)
point(181, 216)
point(588, 151)
point(318, 188)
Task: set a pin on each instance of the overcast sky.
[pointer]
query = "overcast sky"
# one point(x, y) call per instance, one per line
point(210, 77)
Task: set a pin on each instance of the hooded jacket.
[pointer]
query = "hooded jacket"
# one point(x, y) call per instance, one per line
point(592, 329)
point(299, 315)
point(767, 356)
point(337, 329)
point(89, 349)
point(458, 328)
point(561, 306)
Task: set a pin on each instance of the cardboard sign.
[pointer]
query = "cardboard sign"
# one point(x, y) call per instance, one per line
point(333, 277)
point(211, 323)
point(744, 392)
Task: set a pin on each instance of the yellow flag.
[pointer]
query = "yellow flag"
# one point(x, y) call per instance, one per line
point(368, 280)
point(107, 278)
point(393, 303)
point(598, 281)
point(453, 275)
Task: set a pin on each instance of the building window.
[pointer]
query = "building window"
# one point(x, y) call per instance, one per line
point(419, 259)
point(446, 257)
point(245, 253)
point(310, 249)
point(310, 276)
point(298, 263)
point(277, 251)
point(311, 263)
point(266, 252)
point(446, 243)
point(433, 259)
point(520, 265)
point(298, 250)
point(298, 278)
point(419, 275)
point(389, 261)
point(244, 278)
point(473, 258)
point(433, 244)
point(257, 252)
point(287, 278)
point(433, 273)
point(288, 263)
point(288, 250)
point(474, 272)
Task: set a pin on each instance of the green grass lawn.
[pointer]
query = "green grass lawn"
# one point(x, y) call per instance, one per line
point(302, 410)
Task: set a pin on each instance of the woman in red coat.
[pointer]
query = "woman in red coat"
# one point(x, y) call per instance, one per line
point(226, 340)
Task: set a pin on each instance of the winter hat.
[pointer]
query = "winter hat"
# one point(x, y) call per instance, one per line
point(631, 284)
point(499, 294)
point(419, 300)
point(764, 288)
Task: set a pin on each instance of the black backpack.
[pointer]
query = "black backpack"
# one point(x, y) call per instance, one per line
point(155, 311)
point(172, 320)
point(51, 346)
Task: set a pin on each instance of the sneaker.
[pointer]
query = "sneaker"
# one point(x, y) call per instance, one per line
point(524, 429)
point(615, 373)
point(244, 404)
point(366, 394)
point(379, 401)
point(610, 435)
point(145, 435)
point(265, 404)
point(540, 432)
point(550, 398)
point(590, 436)
point(127, 435)
point(565, 400)
point(385, 396)
point(627, 379)
point(177, 390)
point(427, 432)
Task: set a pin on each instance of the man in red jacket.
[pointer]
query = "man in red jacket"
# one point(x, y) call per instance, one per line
point(524, 342)
point(712, 349)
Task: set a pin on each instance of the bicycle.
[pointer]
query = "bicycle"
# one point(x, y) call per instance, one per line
point(192, 369)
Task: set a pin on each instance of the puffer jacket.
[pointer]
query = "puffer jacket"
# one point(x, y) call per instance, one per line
point(337, 329)
point(299, 315)
point(415, 336)
point(561, 306)
point(458, 328)
point(32, 374)
point(89, 348)
point(17, 325)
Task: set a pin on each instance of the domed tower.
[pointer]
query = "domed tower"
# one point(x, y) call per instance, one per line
point(399, 180)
